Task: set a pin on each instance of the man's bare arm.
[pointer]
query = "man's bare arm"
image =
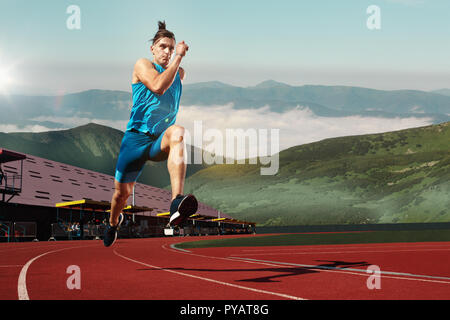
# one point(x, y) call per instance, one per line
point(160, 82)
point(152, 79)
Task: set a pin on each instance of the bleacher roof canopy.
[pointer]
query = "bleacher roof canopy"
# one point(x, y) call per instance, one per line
point(8, 156)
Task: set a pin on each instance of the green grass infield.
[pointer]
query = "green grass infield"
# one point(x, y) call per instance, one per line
point(299, 239)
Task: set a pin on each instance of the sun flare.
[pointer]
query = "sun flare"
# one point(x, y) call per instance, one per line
point(5, 79)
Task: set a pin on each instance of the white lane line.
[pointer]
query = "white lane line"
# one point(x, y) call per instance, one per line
point(22, 282)
point(359, 272)
point(351, 269)
point(211, 280)
point(178, 250)
point(318, 247)
point(175, 248)
point(286, 265)
point(337, 252)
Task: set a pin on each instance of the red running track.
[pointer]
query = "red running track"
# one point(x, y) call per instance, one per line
point(150, 269)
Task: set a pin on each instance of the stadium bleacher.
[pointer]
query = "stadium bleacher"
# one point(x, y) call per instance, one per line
point(45, 184)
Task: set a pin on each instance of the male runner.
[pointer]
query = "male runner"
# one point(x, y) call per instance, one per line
point(151, 133)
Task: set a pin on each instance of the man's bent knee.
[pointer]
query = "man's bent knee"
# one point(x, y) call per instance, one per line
point(120, 195)
point(176, 134)
point(122, 191)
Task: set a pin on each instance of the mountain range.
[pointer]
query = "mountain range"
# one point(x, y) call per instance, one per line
point(61, 112)
point(400, 176)
point(325, 101)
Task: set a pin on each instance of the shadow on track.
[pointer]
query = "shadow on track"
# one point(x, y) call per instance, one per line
point(280, 272)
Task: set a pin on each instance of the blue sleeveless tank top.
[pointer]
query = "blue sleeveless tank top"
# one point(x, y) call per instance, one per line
point(151, 112)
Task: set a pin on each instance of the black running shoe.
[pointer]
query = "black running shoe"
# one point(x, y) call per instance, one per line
point(110, 235)
point(181, 209)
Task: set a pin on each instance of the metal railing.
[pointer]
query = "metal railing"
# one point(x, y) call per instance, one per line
point(12, 182)
point(64, 230)
point(25, 230)
point(70, 231)
point(5, 230)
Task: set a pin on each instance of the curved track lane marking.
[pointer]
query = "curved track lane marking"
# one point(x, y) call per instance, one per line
point(22, 282)
point(352, 271)
point(175, 248)
point(361, 271)
point(211, 280)
point(320, 246)
point(179, 250)
point(338, 252)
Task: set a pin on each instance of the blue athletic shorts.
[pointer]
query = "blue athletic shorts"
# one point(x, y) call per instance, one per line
point(136, 148)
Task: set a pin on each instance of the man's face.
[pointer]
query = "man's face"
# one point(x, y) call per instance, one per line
point(162, 51)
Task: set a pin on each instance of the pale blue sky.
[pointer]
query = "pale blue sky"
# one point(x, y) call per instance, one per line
point(238, 42)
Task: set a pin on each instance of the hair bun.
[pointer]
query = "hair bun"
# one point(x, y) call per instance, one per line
point(162, 32)
point(162, 25)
